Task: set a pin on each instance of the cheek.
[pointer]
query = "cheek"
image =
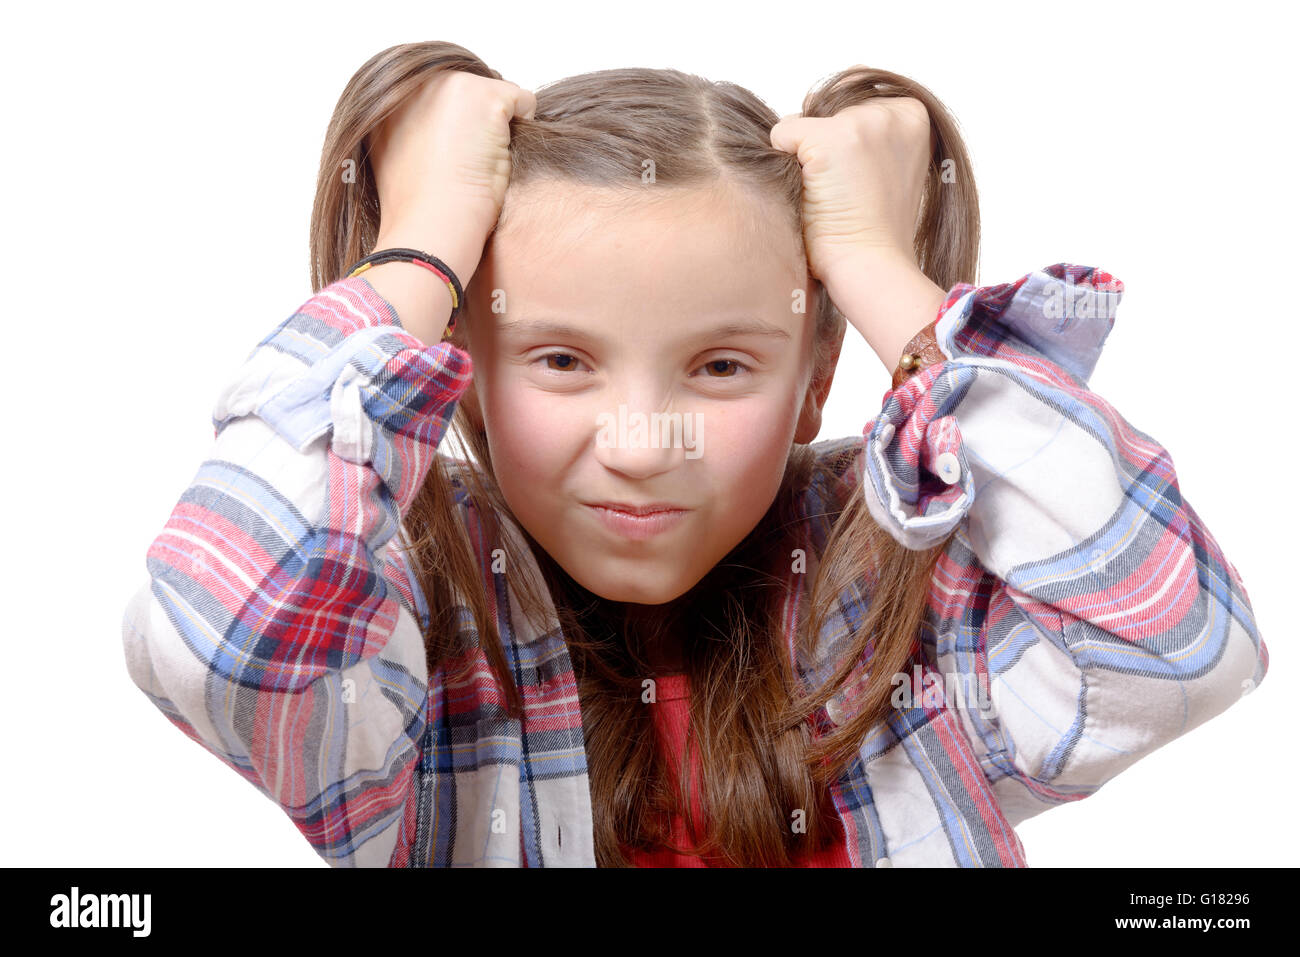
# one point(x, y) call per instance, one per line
point(749, 444)
point(526, 440)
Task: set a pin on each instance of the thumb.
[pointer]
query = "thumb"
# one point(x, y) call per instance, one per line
point(789, 132)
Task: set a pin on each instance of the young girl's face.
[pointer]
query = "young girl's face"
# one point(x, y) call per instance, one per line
point(686, 310)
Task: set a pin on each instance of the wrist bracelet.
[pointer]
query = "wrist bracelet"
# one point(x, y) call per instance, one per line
point(431, 263)
point(921, 350)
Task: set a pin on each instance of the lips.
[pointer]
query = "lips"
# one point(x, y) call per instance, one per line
point(632, 509)
point(653, 519)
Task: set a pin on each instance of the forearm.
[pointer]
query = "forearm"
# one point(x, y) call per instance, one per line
point(886, 297)
point(422, 300)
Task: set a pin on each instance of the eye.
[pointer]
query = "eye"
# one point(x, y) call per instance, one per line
point(565, 361)
point(713, 367)
point(562, 362)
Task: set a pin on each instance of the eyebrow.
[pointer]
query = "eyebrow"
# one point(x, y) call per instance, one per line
point(552, 327)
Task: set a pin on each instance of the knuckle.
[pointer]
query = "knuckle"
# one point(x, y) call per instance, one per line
point(871, 120)
point(915, 111)
point(457, 79)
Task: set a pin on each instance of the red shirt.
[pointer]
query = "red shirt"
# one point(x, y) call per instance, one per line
point(671, 715)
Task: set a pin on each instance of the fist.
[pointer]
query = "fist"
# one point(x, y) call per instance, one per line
point(443, 157)
point(864, 172)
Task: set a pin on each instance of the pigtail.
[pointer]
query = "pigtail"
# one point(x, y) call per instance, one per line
point(947, 239)
point(859, 550)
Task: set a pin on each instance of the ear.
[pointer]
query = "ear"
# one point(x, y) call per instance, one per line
point(814, 400)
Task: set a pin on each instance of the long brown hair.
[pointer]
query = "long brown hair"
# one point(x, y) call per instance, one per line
point(749, 714)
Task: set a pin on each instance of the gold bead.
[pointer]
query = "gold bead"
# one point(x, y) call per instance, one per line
point(908, 362)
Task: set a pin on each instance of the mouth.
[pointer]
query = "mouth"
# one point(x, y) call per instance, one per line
point(649, 508)
point(638, 522)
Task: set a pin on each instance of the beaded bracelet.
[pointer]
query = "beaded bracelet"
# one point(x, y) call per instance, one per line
point(431, 263)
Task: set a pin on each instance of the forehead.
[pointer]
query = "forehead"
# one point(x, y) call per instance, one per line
point(718, 240)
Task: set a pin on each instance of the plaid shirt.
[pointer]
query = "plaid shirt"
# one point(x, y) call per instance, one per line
point(280, 630)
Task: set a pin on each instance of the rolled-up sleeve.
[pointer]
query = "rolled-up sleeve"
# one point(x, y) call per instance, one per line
point(1078, 587)
point(277, 628)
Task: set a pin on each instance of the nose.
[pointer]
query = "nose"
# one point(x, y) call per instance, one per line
point(637, 442)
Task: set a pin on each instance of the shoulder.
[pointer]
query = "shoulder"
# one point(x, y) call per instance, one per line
point(837, 469)
point(835, 474)
point(838, 455)
point(462, 475)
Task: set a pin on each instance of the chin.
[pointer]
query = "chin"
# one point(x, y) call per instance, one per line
point(636, 592)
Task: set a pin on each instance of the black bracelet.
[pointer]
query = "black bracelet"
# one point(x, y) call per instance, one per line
point(432, 263)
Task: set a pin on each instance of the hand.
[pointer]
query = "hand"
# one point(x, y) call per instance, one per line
point(864, 172)
point(442, 165)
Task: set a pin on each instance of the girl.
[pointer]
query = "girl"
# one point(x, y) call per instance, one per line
point(707, 641)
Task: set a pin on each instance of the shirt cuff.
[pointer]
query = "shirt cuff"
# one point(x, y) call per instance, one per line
point(1048, 324)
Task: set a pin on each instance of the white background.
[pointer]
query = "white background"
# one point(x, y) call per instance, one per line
point(159, 166)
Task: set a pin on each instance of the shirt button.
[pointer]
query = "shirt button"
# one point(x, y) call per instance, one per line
point(884, 862)
point(949, 469)
point(835, 710)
